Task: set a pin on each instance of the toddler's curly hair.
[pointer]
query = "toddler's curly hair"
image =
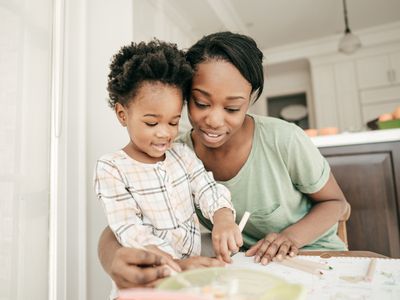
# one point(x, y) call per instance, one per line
point(155, 61)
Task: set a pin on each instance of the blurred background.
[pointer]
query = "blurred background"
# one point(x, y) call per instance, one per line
point(55, 122)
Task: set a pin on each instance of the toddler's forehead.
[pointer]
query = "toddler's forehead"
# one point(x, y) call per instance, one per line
point(150, 89)
point(157, 97)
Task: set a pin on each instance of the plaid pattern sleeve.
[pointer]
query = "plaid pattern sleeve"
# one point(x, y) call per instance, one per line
point(124, 214)
point(209, 196)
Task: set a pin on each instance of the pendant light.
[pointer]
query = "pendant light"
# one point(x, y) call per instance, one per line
point(349, 43)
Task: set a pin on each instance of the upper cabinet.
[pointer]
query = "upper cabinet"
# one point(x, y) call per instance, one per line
point(378, 70)
point(336, 95)
point(351, 90)
point(378, 83)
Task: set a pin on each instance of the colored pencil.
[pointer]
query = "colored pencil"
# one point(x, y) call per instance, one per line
point(314, 264)
point(243, 221)
point(371, 270)
point(301, 267)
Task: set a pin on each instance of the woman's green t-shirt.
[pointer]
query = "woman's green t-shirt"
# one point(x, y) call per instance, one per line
point(283, 166)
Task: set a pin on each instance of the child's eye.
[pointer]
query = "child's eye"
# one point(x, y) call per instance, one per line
point(151, 124)
point(173, 124)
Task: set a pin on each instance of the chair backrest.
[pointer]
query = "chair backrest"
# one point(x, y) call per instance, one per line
point(342, 231)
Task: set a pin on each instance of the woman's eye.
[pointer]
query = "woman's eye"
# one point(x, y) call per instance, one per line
point(151, 124)
point(201, 105)
point(232, 109)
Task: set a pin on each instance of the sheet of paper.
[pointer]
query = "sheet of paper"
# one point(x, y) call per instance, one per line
point(337, 283)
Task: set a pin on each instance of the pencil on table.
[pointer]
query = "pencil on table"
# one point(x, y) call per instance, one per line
point(371, 270)
point(301, 267)
point(310, 263)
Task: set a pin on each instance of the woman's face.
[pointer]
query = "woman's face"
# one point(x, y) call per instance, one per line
point(219, 102)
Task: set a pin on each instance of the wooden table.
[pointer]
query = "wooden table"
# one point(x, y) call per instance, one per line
point(327, 254)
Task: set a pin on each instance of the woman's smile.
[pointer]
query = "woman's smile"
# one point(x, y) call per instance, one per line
point(213, 137)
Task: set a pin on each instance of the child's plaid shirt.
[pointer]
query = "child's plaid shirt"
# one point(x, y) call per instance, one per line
point(153, 204)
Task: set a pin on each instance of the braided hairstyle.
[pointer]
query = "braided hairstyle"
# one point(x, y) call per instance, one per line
point(155, 61)
point(238, 49)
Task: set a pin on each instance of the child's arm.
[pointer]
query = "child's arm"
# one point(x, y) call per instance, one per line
point(122, 211)
point(226, 235)
point(214, 201)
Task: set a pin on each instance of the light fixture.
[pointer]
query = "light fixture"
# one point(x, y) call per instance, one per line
point(349, 43)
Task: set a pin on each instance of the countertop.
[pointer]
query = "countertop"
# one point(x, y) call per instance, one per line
point(365, 137)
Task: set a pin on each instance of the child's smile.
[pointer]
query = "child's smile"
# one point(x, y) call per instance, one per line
point(161, 147)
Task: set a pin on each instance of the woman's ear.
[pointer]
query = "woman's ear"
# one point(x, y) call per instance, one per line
point(121, 113)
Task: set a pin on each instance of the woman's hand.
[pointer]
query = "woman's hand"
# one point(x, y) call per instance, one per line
point(137, 268)
point(168, 257)
point(196, 262)
point(273, 246)
point(226, 235)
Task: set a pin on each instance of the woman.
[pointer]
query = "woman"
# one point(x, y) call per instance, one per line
point(271, 167)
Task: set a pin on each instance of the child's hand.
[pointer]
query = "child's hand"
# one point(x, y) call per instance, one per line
point(275, 246)
point(226, 235)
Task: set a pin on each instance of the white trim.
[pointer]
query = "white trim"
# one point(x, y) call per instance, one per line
point(56, 276)
point(373, 36)
point(82, 164)
point(73, 150)
point(67, 253)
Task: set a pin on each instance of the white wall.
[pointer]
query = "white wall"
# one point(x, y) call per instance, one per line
point(159, 19)
point(25, 108)
point(111, 24)
point(284, 79)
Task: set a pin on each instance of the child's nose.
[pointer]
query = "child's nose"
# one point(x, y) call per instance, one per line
point(163, 133)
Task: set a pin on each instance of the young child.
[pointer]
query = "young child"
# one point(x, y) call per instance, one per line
point(150, 188)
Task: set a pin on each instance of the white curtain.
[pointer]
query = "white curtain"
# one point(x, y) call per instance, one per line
point(25, 111)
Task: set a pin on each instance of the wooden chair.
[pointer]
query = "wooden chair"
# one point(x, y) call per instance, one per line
point(341, 231)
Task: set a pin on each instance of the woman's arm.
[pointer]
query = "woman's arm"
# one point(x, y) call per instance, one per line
point(129, 267)
point(107, 248)
point(330, 205)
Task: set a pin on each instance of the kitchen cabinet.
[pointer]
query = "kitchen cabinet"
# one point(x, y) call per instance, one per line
point(379, 84)
point(375, 102)
point(349, 91)
point(369, 175)
point(378, 70)
point(336, 96)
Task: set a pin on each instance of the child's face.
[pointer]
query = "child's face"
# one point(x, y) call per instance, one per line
point(151, 118)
